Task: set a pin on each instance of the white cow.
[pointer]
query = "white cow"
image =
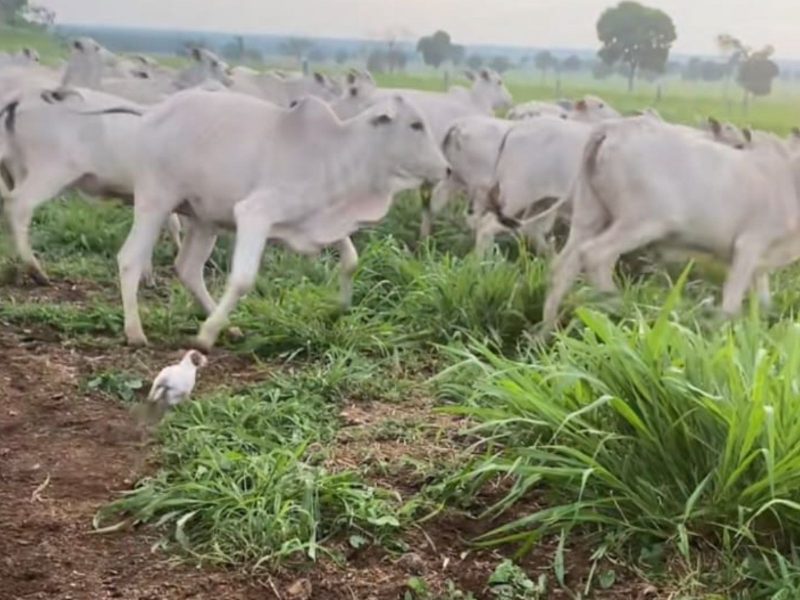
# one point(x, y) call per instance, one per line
point(643, 182)
point(24, 58)
point(49, 144)
point(89, 62)
point(589, 108)
point(537, 108)
point(284, 89)
point(441, 110)
point(537, 165)
point(301, 176)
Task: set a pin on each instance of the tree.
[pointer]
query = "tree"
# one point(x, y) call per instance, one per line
point(637, 36)
point(39, 15)
point(316, 54)
point(296, 47)
point(572, 63)
point(501, 63)
point(341, 56)
point(475, 62)
point(544, 61)
point(11, 10)
point(438, 48)
point(755, 70)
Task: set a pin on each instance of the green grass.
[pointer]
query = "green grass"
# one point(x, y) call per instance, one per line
point(14, 38)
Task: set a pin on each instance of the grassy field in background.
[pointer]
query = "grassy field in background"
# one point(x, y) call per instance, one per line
point(648, 443)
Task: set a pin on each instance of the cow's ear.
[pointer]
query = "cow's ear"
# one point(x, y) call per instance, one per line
point(469, 75)
point(351, 77)
point(196, 54)
point(381, 119)
point(485, 75)
point(581, 105)
point(748, 134)
point(715, 126)
point(78, 45)
point(319, 78)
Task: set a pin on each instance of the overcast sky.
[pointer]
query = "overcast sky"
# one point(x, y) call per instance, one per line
point(549, 23)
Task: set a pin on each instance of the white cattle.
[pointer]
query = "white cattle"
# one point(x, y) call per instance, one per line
point(536, 108)
point(487, 94)
point(89, 62)
point(283, 90)
point(643, 182)
point(54, 141)
point(24, 58)
point(589, 108)
point(471, 147)
point(536, 167)
point(301, 176)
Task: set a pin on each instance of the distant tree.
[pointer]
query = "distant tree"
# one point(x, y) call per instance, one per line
point(235, 49)
point(544, 61)
point(475, 62)
point(600, 70)
point(572, 63)
point(438, 48)
point(11, 10)
point(636, 36)
point(457, 54)
point(376, 61)
point(316, 54)
point(38, 15)
point(298, 48)
point(755, 70)
point(341, 56)
point(501, 63)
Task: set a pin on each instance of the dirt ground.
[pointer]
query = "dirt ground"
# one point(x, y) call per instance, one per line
point(65, 451)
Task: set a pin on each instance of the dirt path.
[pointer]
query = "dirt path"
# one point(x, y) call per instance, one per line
point(86, 449)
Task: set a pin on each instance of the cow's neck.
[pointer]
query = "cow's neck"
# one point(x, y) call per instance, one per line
point(479, 100)
point(356, 166)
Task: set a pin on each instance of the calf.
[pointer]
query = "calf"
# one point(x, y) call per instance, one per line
point(301, 176)
point(643, 182)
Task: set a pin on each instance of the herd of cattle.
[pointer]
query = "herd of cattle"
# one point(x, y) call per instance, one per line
point(308, 159)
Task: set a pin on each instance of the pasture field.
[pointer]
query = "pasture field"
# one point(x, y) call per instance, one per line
point(426, 445)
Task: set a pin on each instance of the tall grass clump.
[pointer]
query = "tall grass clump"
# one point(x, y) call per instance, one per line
point(242, 480)
point(646, 431)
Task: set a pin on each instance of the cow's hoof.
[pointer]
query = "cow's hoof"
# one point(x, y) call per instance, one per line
point(39, 277)
point(136, 340)
point(201, 344)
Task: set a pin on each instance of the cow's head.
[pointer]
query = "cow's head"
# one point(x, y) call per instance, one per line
point(593, 109)
point(400, 133)
point(729, 134)
point(489, 89)
point(324, 86)
point(211, 66)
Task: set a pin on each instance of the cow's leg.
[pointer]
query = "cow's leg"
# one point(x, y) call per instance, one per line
point(763, 291)
point(20, 205)
point(174, 228)
point(566, 268)
point(601, 254)
point(252, 229)
point(348, 261)
point(192, 257)
point(440, 197)
point(488, 227)
point(747, 255)
point(425, 193)
point(134, 256)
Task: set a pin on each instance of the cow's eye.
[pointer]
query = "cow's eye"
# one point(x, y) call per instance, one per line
point(418, 126)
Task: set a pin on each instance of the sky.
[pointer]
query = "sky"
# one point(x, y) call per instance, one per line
point(538, 23)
